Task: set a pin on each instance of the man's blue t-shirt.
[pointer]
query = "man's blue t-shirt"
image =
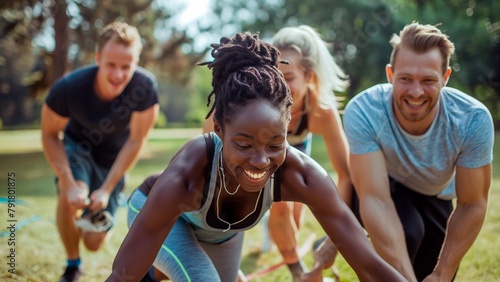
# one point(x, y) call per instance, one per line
point(462, 135)
point(100, 127)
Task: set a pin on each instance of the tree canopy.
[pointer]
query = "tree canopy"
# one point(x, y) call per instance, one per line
point(30, 66)
point(358, 32)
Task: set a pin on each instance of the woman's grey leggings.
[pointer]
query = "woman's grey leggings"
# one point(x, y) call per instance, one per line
point(183, 258)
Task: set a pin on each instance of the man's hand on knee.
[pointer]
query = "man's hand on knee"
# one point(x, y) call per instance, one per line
point(99, 200)
point(78, 197)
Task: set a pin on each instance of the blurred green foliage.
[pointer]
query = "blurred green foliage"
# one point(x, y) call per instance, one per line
point(358, 33)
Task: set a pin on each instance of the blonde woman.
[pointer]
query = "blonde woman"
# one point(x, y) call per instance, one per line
point(313, 77)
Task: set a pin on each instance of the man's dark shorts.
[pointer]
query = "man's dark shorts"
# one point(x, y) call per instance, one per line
point(84, 168)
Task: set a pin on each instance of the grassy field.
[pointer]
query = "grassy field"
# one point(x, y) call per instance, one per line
point(39, 255)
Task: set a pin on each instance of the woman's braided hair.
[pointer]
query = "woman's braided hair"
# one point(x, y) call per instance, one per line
point(245, 69)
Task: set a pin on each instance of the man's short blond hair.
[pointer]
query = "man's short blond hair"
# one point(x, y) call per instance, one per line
point(121, 33)
point(421, 38)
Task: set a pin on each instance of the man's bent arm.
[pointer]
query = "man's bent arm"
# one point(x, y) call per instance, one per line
point(53, 147)
point(140, 126)
point(472, 187)
point(379, 215)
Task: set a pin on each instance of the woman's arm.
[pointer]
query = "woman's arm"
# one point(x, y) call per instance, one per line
point(176, 191)
point(306, 181)
point(327, 123)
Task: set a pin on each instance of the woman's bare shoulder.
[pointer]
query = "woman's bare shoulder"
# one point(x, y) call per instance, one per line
point(299, 172)
point(191, 157)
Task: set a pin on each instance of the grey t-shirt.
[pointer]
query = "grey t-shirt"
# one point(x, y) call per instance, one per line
point(462, 135)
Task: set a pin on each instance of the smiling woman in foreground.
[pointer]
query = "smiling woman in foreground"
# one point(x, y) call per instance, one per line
point(189, 222)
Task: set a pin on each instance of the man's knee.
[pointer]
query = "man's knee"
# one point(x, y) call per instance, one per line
point(94, 241)
point(65, 208)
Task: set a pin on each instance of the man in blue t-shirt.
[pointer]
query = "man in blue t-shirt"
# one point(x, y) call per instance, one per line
point(415, 145)
point(106, 112)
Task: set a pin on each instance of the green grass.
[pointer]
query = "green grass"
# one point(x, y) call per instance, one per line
point(40, 254)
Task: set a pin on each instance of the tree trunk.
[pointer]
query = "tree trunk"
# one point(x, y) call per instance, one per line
point(61, 37)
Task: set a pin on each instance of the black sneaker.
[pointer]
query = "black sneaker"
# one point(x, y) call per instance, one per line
point(71, 274)
point(147, 278)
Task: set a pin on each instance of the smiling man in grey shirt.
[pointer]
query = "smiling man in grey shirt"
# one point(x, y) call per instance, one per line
point(415, 144)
